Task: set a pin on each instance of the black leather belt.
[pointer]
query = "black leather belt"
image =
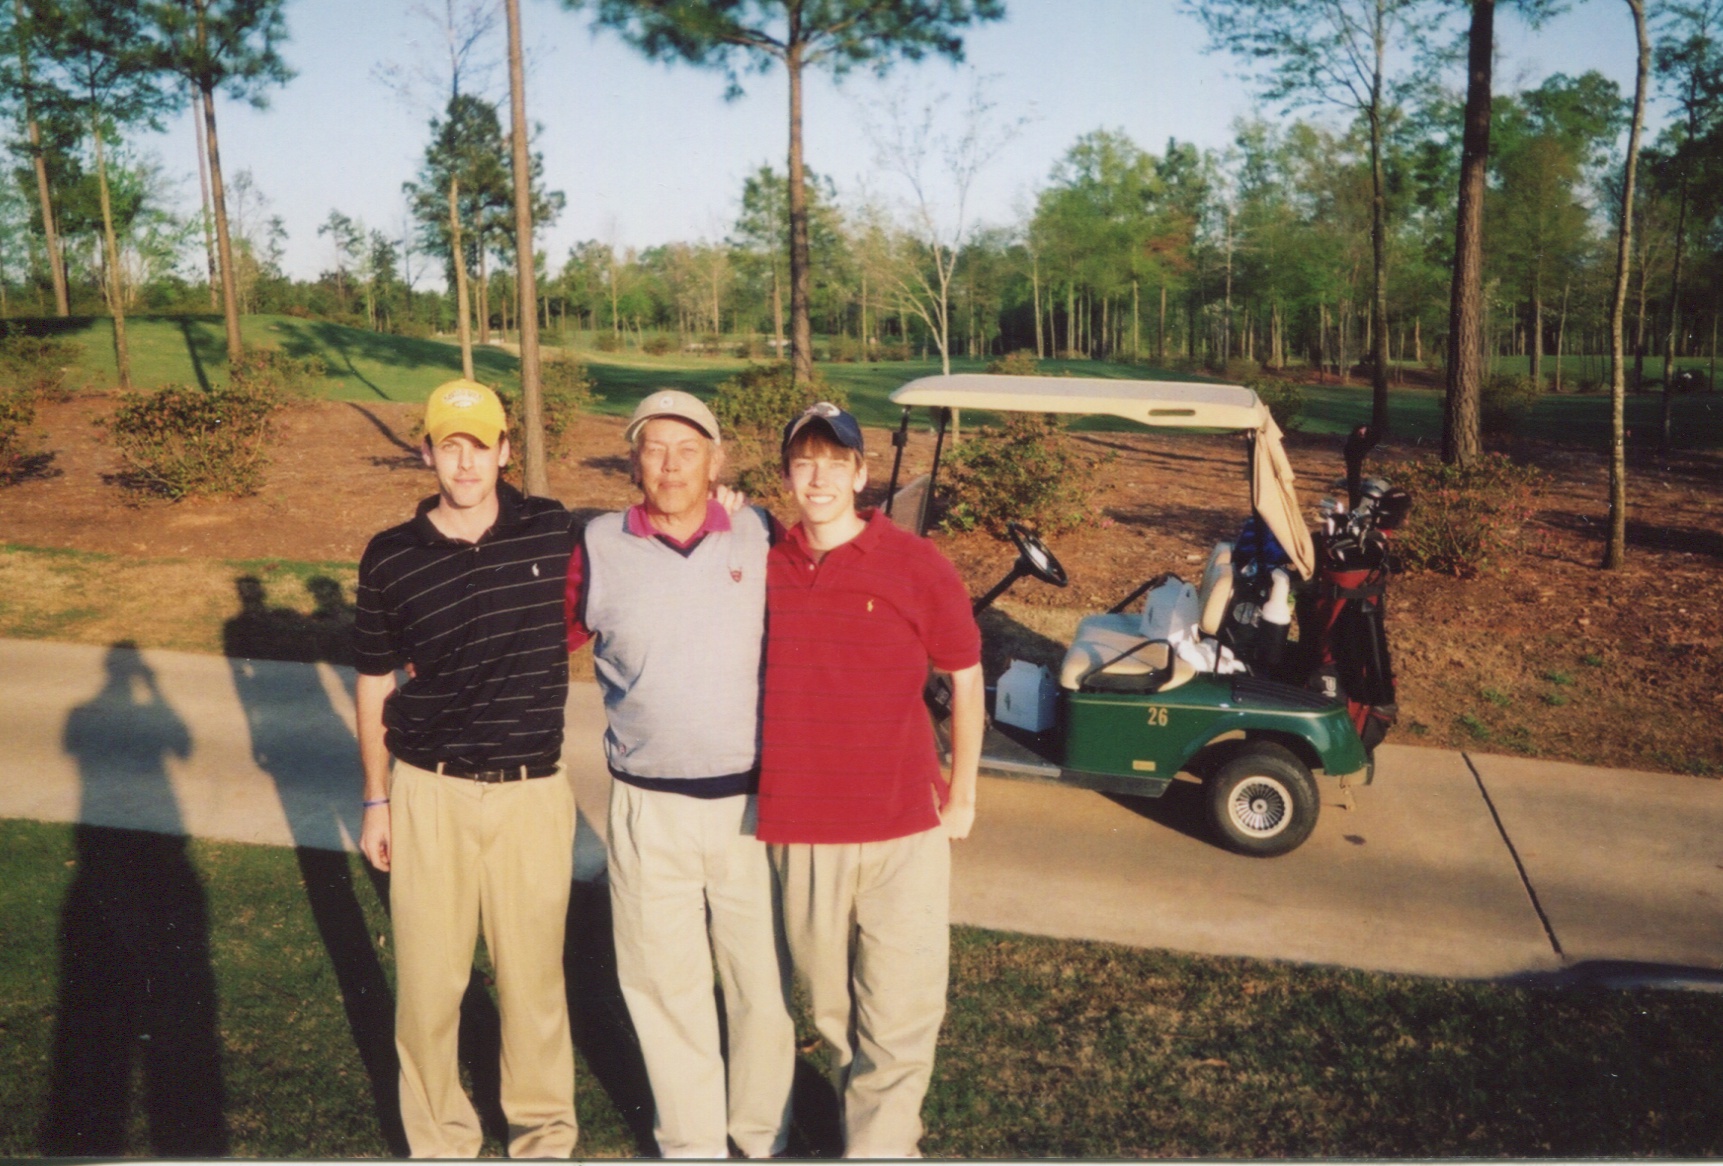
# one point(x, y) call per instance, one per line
point(492, 776)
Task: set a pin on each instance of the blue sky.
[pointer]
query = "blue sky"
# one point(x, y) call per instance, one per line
point(648, 153)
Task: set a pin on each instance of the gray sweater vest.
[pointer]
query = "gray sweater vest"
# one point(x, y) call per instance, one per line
point(677, 647)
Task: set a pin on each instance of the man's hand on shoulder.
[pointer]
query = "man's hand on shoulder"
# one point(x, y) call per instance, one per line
point(732, 500)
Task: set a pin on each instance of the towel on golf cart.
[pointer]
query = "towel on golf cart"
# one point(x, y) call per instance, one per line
point(1173, 612)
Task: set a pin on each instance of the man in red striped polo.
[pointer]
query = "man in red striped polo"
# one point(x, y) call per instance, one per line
point(852, 801)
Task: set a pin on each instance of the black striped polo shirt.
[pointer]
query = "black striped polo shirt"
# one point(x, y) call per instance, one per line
point(482, 626)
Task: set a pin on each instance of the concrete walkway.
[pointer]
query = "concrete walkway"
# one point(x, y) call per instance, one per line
point(1451, 864)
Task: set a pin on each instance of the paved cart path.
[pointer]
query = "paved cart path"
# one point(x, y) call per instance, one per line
point(1451, 864)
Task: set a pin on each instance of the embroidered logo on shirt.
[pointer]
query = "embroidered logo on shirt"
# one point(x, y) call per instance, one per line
point(870, 605)
point(535, 570)
point(735, 574)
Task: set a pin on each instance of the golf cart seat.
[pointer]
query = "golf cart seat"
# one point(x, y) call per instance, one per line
point(1109, 654)
point(1214, 594)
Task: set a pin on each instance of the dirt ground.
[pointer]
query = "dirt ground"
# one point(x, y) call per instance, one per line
point(1546, 654)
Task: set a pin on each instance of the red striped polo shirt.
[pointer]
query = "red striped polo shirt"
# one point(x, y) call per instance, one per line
point(848, 752)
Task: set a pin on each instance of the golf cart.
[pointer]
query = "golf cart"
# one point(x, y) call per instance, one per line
point(1201, 680)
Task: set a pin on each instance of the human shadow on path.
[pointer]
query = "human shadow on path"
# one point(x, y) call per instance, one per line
point(136, 984)
point(302, 742)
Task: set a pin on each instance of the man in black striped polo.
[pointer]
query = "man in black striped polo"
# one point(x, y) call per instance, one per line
point(466, 804)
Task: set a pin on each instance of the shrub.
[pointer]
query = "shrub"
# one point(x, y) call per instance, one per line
point(179, 440)
point(1285, 400)
point(896, 351)
point(1027, 471)
point(564, 392)
point(1021, 363)
point(17, 414)
point(607, 342)
point(1506, 400)
point(1238, 370)
point(1462, 519)
point(845, 350)
point(273, 373)
point(752, 408)
point(657, 344)
point(36, 365)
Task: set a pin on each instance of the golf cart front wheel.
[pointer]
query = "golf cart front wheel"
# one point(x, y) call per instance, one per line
point(1263, 802)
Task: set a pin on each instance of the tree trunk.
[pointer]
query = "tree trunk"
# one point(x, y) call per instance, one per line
point(208, 221)
point(777, 313)
point(526, 274)
point(44, 193)
point(1035, 290)
point(116, 293)
point(801, 327)
point(1561, 333)
point(1161, 328)
point(484, 296)
point(458, 253)
point(223, 238)
point(1615, 547)
point(1667, 407)
point(1136, 321)
point(866, 336)
point(1639, 326)
point(1535, 334)
point(1461, 444)
point(218, 198)
point(1378, 257)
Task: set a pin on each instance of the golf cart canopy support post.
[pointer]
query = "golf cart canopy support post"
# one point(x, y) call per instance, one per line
point(1158, 404)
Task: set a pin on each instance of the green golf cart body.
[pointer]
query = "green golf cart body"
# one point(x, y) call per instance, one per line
point(1133, 714)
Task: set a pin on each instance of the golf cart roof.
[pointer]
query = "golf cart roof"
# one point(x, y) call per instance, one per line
point(1165, 404)
point(1162, 404)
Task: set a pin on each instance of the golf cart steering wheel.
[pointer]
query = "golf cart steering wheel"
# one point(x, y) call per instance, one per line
point(1034, 556)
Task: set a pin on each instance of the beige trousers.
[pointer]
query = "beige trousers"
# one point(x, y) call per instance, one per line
point(467, 855)
point(868, 926)
point(690, 888)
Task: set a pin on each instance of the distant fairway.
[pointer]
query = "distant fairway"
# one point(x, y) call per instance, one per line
point(371, 366)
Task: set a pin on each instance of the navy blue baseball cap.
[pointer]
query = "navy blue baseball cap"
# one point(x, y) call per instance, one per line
point(844, 428)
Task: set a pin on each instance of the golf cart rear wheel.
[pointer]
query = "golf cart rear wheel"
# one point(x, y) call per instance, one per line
point(1263, 802)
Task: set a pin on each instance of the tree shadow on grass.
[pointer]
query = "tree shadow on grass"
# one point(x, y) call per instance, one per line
point(383, 427)
point(302, 742)
point(137, 988)
point(339, 346)
point(195, 346)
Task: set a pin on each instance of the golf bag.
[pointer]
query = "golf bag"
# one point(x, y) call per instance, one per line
point(1341, 618)
point(1342, 622)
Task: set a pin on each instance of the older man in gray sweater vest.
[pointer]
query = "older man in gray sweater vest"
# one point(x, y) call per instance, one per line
point(672, 594)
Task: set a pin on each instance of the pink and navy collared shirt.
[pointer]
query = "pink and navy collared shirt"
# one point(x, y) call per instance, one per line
point(637, 522)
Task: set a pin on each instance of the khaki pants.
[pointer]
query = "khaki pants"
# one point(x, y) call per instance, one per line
point(467, 855)
point(690, 886)
point(869, 932)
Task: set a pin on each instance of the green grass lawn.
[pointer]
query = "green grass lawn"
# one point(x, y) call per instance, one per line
point(369, 366)
point(1050, 1047)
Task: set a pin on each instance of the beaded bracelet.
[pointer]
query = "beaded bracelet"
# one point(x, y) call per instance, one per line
point(375, 802)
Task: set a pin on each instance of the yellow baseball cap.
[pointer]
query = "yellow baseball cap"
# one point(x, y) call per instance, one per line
point(463, 406)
